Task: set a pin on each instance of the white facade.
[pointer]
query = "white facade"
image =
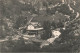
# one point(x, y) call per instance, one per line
point(30, 27)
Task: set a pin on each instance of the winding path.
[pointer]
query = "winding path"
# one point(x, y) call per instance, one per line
point(51, 40)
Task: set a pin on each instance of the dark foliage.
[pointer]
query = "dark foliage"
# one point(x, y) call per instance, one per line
point(47, 27)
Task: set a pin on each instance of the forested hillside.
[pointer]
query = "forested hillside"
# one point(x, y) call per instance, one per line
point(16, 13)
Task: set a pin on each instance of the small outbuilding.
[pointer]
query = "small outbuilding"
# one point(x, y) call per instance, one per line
point(34, 28)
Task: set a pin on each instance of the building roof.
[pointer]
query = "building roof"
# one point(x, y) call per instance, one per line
point(34, 26)
point(36, 29)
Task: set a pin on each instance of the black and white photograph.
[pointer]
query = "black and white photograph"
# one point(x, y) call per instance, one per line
point(42, 26)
